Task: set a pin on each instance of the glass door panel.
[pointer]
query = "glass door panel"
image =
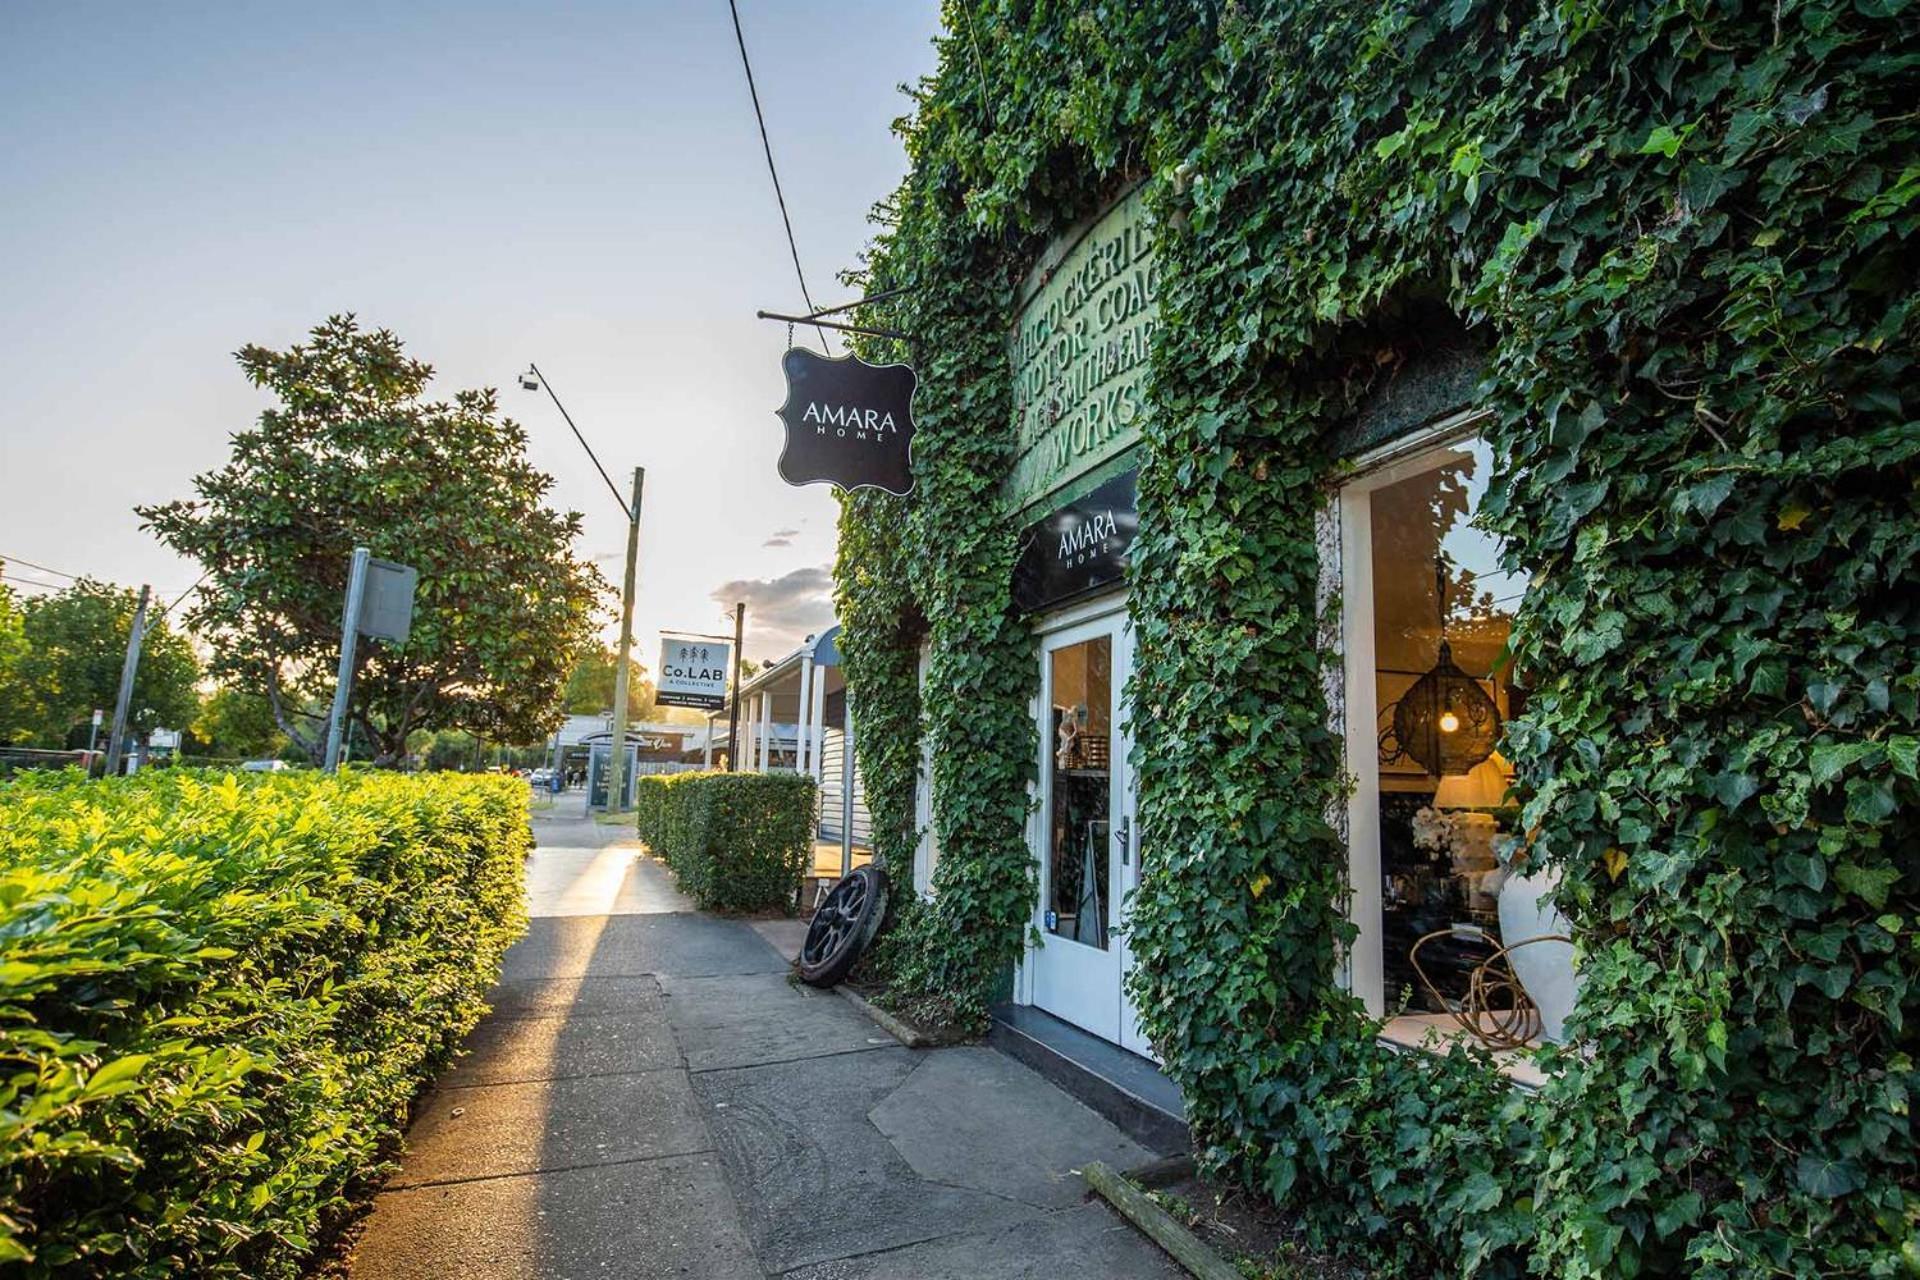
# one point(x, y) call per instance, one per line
point(1080, 792)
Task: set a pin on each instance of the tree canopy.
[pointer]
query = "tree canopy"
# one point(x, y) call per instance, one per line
point(353, 454)
point(13, 643)
point(67, 660)
point(238, 722)
point(590, 685)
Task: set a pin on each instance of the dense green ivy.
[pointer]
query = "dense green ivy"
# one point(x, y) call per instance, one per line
point(1682, 231)
point(880, 636)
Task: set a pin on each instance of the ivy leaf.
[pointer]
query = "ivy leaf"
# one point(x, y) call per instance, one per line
point(1870, 884)
point(1480, 1192)
point(1677, 1213)
point(1805, 869)
point(1903, 753)
point(1869, 800)
point(1793, 515)
point(1732, 789)
point(1830, 759)
point(1707, 496)
point(1823, 694)
point(1616, 862)
point(1769, 678)
point(1665, 140)
point(1803, 107)
point(1827, 1179)
point(1569, 431)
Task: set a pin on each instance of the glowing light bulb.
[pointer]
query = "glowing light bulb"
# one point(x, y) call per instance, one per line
point(1449, 722)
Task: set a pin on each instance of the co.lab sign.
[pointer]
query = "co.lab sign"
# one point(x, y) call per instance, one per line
point(693, 673)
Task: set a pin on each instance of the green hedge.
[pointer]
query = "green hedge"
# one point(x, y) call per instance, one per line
point(735, 841)
point(218, 997)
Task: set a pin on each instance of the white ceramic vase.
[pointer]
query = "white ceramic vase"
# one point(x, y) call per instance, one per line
point(1545, 969)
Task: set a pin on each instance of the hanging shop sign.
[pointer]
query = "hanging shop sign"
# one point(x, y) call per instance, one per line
point(693, 673)
point(849, 423)
point(1081, 547)
point(1079, 352)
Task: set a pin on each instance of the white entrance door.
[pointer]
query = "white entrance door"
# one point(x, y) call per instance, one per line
point(1084, 830)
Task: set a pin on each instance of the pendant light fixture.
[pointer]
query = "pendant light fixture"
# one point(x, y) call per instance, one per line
point(1446, 721)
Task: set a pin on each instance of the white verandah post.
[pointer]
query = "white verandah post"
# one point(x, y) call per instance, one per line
point(847, 766)
point(766, 732)
point(802, 760)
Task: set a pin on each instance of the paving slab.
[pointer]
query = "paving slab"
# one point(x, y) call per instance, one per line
point(501, 1129)
point(1088, 1240)
point(973, 1117)
point(557, 1046)
point(634, 945)
point(815, 1179)
point(784, 936)
point(746, 1020)
point(580, 997)
point(617, 878)
point(642, 1220)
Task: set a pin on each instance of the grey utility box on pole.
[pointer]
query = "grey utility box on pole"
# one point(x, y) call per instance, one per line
point(386, 612)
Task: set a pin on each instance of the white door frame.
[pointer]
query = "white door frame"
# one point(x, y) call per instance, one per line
point(1107, 615)
point(1346, 571)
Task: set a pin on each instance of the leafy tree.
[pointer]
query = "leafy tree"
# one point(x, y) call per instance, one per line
point(13, 644)
point(75, 642)
point(238, 722)
point(354, 454)
point(590, 686)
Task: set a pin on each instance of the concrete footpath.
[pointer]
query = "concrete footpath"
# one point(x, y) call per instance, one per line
point(652, 1097)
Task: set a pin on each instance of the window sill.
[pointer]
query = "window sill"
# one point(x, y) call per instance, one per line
point(1438, 1033)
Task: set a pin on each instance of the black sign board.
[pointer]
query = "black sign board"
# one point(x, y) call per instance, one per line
point(1079, 548)
point(849, 423)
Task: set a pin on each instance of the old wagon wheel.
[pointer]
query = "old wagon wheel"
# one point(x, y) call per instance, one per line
point(843, 926)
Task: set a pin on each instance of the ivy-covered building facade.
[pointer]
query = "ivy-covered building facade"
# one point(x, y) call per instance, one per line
point(1407, 612)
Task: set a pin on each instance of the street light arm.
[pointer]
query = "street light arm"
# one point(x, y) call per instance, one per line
point(612, 488)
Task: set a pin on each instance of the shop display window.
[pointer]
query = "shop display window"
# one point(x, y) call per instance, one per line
point(1442, 612)
point(1454, 937)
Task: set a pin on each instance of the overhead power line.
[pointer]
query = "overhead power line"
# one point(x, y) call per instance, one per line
point(29, 582)
point(554, 396)
point(792, 246)
point(7, 559)
point(184, 594)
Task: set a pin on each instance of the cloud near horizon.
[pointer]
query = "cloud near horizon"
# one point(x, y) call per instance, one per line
point(781, 612)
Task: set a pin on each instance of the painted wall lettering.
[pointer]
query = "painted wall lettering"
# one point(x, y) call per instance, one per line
point(1079, 353)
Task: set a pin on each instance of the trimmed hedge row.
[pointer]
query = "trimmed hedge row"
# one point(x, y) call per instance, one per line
point(218, 997)
point(735, 841)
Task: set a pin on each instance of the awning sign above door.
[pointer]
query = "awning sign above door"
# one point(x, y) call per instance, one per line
point(1080, 548)
point(849, 423)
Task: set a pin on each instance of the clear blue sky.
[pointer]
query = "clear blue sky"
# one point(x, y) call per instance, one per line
point(582, 186)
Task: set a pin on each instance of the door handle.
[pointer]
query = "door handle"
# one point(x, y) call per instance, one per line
point(1126, 839)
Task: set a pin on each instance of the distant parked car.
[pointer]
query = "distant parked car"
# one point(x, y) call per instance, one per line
point(264, 766)
point(541, 777)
